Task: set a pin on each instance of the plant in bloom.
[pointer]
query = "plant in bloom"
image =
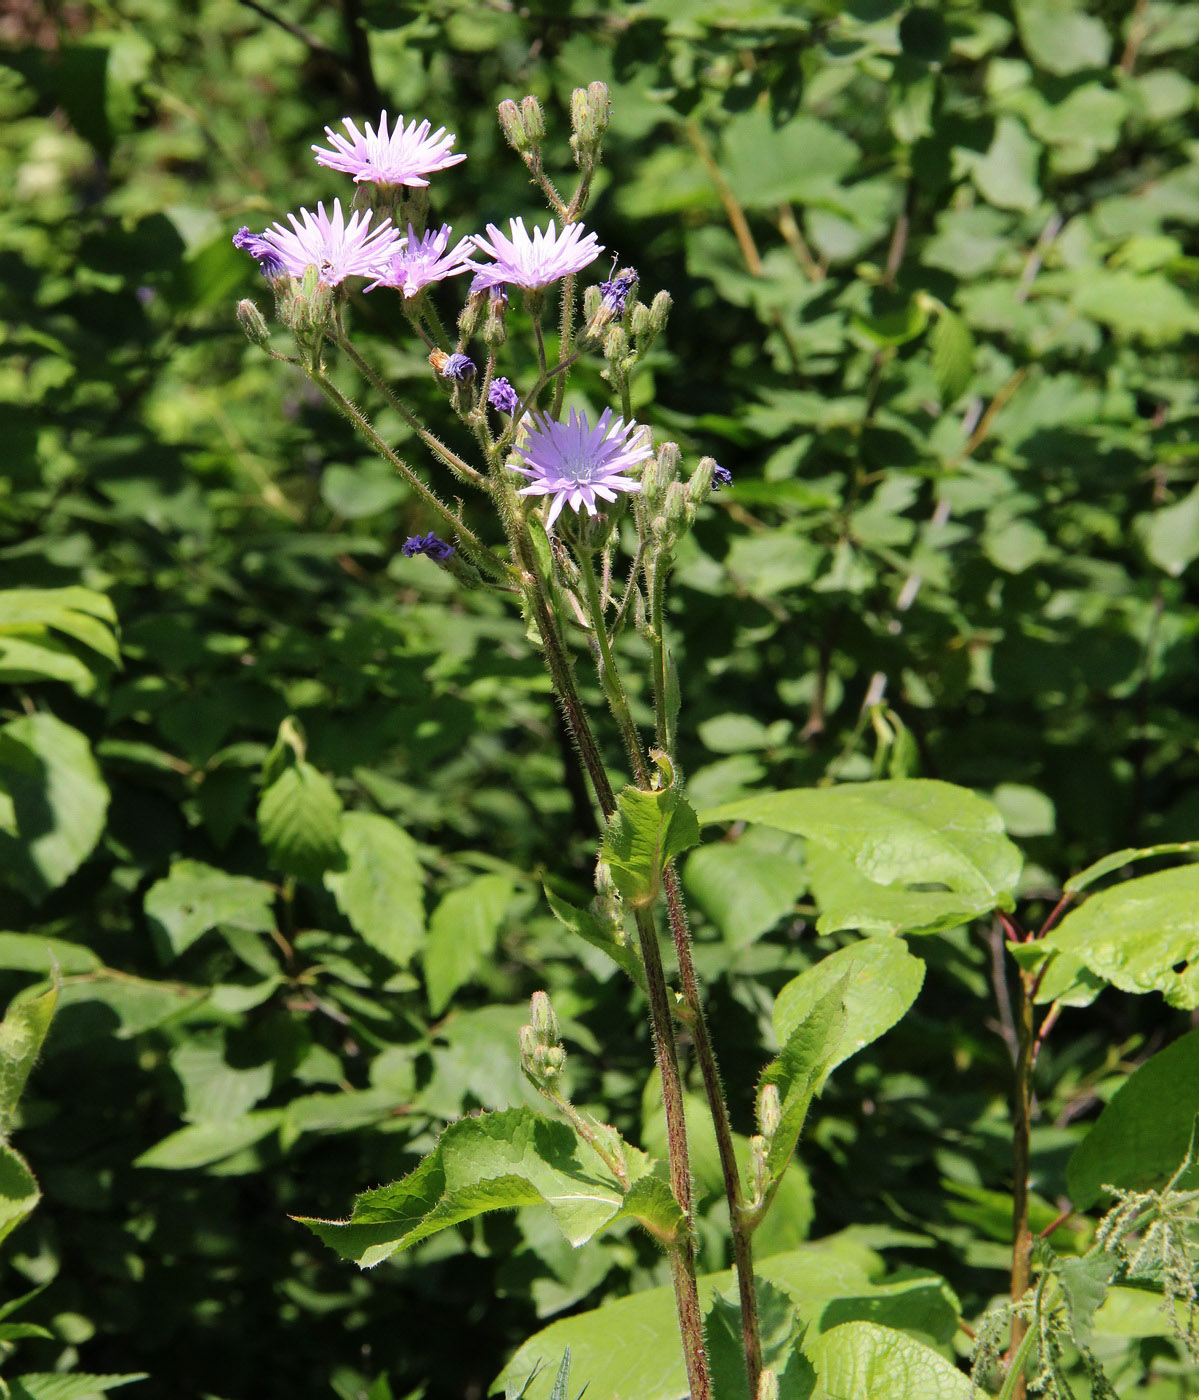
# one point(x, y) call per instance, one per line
point(537, 260)
point(428, 544)
point(403, 157)
point(258, 247)
point(455, 366)
point(502, 395)
point(424, 260)
point(339, 248)
point(573, 462)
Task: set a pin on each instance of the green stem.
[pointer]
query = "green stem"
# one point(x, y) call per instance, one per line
point(474, 546)
point(610, 679)
point(588, 1134)
point(431, 441)
point(564, 338)
point(1021, 1135)
point(1014, 1382)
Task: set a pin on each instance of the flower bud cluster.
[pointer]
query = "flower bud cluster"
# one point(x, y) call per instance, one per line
point(542, 1054)
point(523, 126)
point(590, 112)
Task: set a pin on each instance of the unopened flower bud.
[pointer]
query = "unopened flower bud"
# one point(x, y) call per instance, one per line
point(616, 344)
point(768, 1385)
point(512, 125)
point(543, 1020)
point(676, 516)
point(529, 1045)
point(639, 322)
point(659, 311)
point(253, 323)
point(758, 1167)
point(471, 314)
point(533, 119)
point(669, 461)
point(769, 1110)
point(548, 1061)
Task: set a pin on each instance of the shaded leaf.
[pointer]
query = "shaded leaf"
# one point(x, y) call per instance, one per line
point(863, 1361)
point(381, 887)
point(195, 898)
point(22, 1034)
point(462, 934)
point(643, 835)
point(299, 821)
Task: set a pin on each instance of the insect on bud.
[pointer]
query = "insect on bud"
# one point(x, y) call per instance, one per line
point(253, 323)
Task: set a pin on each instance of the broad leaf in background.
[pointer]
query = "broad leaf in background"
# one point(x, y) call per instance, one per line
point(863, 1361)
point(31, 648)
point(781, 1328)
point(878, 980)
point(462, 933)
point(805, 1062)
point(380, 889)
point(80, 1386)
point(56, 802)
point(909, 855)
point(1142, 1135)
point(643, 835)
point(194, 898)
point(1141, 935)
point(495, 1161)
point(599, 935)
point(299, 821)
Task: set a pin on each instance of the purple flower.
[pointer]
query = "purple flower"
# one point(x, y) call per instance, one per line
point(404, 157)
point(426, 544)
point(483, 282)
point(339, 249)
point(257, 247)
point(721, 476)
point(574, 462)
point(532, 262)
point(503, 396)
point(423, 260)
point(615, 292)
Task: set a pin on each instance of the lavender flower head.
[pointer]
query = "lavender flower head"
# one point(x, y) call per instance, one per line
point(531, 262)
point(424, 260)
point(573, 462)
point(257, 247)
point(721, 476)
point(503, 396)
point(483, 282)
point(426, 544)
point(456, 366)
point(404, 157)
point(339, 249)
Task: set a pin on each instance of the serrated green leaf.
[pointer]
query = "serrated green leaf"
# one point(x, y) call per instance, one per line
point(592, 931)
point(863, 1361)
point(805, 1062)
point(780, 1327)
point(22, 1034)
point(910, 854)
point(19, 1192)
point(194, 898)
point(58, 798)
point(953, 355)
point(299, 821)
point(1142, 1135)
point(1141, 935)
point(645, 833)
point(495, 1161)
point(879, 980)
point(462, 934)
point(1084, 1287)
point(381, 887)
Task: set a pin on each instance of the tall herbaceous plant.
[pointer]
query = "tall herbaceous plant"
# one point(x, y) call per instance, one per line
point(575, 512)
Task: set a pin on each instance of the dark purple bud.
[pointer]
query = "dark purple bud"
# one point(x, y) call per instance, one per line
point(503, 396)
point(426, 544)
point(721, 476)
point(257, 247)
point(615, 293)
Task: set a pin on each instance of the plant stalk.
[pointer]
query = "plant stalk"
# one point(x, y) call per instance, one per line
point(1021, 1131)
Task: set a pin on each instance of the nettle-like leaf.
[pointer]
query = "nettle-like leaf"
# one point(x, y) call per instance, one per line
point(592, 930)
point(462, 934)
point(1143, 1134)
point(804, 1064)
point(878, 980)
point(19, 1192)
point(863, 1361)
point(495, 1161)
point(1140, 936)
point(380, 890)
point(53, 803)
point(299, 821)
point(645, 833)
point(910, 855)
point(22, 1034)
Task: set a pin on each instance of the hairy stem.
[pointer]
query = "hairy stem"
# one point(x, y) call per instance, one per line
point(1021, 1129)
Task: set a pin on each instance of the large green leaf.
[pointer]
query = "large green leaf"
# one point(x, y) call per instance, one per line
point(643, 835)
point(58, 801)
point(630, 1346)
point(380, 890)
point(462, 933)
point(31, 647)
point(745, 890)
point(299, 821)
point(194, 898)
point(863, 1361)
point(807, 1057)
point(780, 1328)
point(1142, 1135)
point(878, 979)
point(495, 1161)
point(200, 1144)
point(22, 1034)
point(908, 855)
point(1141, 936)
point(51, 1385)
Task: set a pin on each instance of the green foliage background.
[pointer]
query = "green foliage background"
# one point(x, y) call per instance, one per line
point(933, 309)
